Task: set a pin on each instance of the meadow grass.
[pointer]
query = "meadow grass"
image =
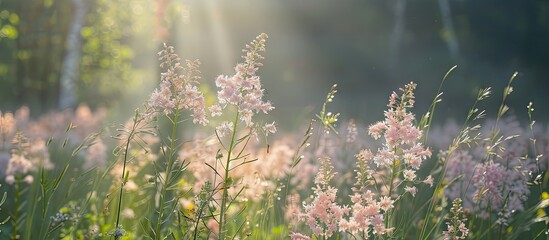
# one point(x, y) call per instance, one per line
point(186, 168)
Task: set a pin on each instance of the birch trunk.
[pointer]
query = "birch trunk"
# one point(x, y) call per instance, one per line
point(71, 61)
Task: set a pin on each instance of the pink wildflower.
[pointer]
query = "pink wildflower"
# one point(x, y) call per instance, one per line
point(10, 179)
point(377, 129)
point(409, 175)
point(243, 89)
point(269, 128)
point(177, 89)
point(456, 223)
point(298, 236)
point(429, 181)
point(386, 203)
point(323, 213)
point(352, 132)
point(7, 126)
point(224, 129)
point(28, 179)
point(97, 155)
point(216, 110)
point(411, 190)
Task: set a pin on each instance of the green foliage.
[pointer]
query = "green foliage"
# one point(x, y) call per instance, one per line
point(107, 68)
point(2, 201)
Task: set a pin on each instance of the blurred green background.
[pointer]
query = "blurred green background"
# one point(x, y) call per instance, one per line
point(368, 47)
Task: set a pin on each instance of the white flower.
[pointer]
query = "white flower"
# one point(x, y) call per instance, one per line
point(411, 190)
point(10, 179)
point(409, 175)
point(269, 128)
point(224, 129)
point(216, 110)
point(28, 179)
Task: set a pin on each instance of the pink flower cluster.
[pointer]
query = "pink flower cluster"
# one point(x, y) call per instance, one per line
point(7, 126)
point(402, 138)
point(243, 89)
point(323, 214)
point(399, 132)
point(456, 224)
point(54, 126)
point(177, 87)
point(27, 156)
point(488, 182)
point(367, 213)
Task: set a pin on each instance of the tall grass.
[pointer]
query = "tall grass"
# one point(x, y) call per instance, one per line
point(160, 177)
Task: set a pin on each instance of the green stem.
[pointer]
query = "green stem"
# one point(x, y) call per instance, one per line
point(130, 135)
point(394, 169)
point(175, 121)
point(225, 183)
point(197, 221)
point(16, 214)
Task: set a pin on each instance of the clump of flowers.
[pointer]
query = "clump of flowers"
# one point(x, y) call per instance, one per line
point(492, 181)
point(178, 88)
point(323, 214)
point(7, 127)
point(243, 90)
point(456, 228)
point(96, 155)
point(382, 178)
point(367, 215)
point(25, 157)
point(400, 134)
point(402, 152)
point(393, 165)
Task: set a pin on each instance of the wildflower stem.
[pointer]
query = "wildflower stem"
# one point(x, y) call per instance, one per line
point(225, 182)
point(17, 202)
point(158, 234)
point(130, 136)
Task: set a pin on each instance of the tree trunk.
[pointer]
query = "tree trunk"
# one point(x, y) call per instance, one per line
point(71, 61)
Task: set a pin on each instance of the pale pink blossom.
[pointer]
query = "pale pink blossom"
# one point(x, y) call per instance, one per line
point(323, 214)
point(10, 179)
point(224, 129)
point(128, 213)
point(429, 181)
point(412, 190)
point(386, 203)
point(28, 179)
point(377, 129)
point(456, 228)
point(216, 110)
point(96, 155)
point(177, 88)
point(298, 236)
point(409, 175)
point(352, 132)
point(243, 90)
point(18, 164)
point(269, 128)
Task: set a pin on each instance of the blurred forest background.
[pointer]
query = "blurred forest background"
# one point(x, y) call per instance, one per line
point(57, 53)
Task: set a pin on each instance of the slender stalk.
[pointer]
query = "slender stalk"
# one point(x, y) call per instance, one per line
point(460, 139)
point(171, 160)
point(225, 183)
point(197, 221)
point(17, 202)
point(130, 136)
